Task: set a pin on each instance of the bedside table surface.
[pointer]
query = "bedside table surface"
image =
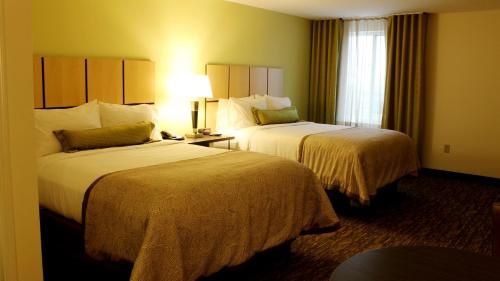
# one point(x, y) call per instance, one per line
point(208, 139)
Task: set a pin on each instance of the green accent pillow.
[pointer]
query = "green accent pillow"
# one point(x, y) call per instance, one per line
point(121, 135)
point(269, 116)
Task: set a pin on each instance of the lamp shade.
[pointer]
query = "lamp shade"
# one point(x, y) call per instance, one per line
point(191, 86)
point(198, 86)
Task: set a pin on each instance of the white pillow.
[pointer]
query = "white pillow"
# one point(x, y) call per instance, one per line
point(223, 115)
point(249, 98)
point(278, 102)
point(240, 112)
point(252, 98)
point(85, 116)
point(119, 114)
point(261, 97)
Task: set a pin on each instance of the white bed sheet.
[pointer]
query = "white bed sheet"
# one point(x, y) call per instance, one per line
point(280, 139)
point(63, 178)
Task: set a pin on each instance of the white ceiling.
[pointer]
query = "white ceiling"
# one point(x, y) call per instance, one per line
point(367, 8)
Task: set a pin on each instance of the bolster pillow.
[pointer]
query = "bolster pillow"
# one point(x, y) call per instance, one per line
point(285, 115)
point(121, 135)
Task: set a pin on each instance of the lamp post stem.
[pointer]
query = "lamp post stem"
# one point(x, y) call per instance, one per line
point(194, 115)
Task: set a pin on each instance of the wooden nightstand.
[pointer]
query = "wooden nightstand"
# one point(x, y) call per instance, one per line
point(207, 140)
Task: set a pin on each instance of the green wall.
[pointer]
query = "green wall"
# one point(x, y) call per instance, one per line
point(180, 36)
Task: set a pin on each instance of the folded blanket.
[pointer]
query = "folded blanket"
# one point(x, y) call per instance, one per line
point(183, 220)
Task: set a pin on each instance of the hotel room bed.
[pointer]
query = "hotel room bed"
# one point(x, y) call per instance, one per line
point(354, 161)
point(175, 211)
point(181, 211)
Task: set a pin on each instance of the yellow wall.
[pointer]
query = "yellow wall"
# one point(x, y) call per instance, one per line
point(19, 224)
point(180, 36)
point(463, 93)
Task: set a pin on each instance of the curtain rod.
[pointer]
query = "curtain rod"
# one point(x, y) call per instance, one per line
point(366, 18)
point(372, 18)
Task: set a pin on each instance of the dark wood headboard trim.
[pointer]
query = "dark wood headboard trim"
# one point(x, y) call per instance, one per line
point(123, 81)
point(43, 81)
point(86, 83)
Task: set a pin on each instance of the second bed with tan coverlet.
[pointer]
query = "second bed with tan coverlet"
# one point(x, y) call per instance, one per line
point(359, 160)
point(190, 218)
point(355, 161)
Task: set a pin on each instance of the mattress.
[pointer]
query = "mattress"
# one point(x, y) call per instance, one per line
point(63, 178)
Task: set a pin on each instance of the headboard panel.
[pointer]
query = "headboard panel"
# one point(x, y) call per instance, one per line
point(105, 80)
point(219, 79)
point(138, 82)
point(61, 82)
point(38, 82)
point(275, 82)
point(240, 81)
point(258, 80)
point(62, 76)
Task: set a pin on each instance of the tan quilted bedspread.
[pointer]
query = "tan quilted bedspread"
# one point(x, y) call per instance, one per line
point(358, 161)
point(183, 220)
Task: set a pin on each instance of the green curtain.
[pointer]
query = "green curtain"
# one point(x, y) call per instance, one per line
point(326, 37)
point(404, 87)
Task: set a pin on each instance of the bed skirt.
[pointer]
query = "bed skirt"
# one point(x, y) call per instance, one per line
point(64, 257)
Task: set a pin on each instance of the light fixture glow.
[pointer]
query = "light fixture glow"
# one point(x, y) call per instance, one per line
point(191, 86)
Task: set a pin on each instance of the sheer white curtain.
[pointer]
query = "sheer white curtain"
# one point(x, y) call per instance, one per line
point(362, 73)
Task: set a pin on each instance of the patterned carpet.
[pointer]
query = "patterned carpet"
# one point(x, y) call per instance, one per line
point(433, 209)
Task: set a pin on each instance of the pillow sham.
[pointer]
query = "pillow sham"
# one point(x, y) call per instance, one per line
point(240, 112)
point(251, 97)
point(120, 135)
point(119, 114)
point(85, 116)
point(222, 122)
point(273, 116)
point(261, 97)
point(278, 102)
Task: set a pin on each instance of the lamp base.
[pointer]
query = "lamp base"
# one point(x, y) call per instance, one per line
point(194, 135)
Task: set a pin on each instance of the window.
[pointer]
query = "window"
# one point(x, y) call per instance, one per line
point(362, 73)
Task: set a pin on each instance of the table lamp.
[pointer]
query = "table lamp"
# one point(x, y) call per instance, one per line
point(196, 87)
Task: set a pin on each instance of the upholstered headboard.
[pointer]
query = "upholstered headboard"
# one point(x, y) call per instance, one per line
point(240, 81)
point(61, 82)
